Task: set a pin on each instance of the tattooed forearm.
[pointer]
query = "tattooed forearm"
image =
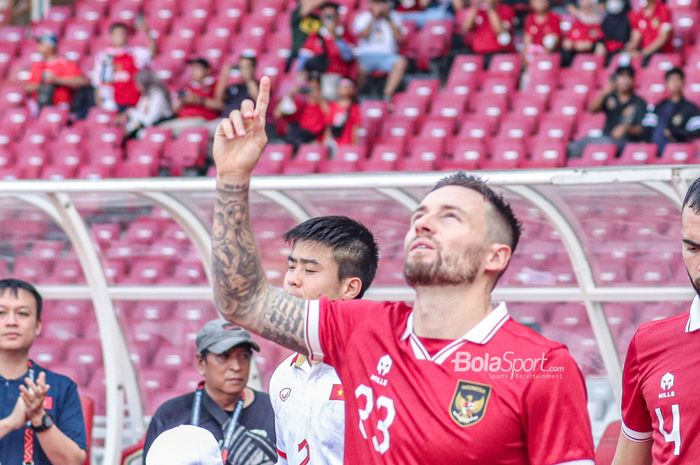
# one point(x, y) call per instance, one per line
point(283, 320)
point(241, 291)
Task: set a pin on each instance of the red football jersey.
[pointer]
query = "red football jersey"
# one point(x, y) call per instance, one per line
point(539, 29)
point(501, 394)
point(650, 24)
point(659, 394)
point(483, 38)
point(581, 31)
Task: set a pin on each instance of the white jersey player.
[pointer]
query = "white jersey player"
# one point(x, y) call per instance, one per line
point(336, 257)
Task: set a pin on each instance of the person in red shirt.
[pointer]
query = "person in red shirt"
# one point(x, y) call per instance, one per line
point(585, 32)
point(489, 27)
point(306, 111)
point(53, 79)
point(651, 30)
point(329, 51)
point(343, 119)
point(452, 380)
point(197, 102)
point(660, 416)
point(115, 69)
point(542, 30)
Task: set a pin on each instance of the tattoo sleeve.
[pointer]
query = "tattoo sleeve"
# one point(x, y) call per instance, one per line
point(242, 293)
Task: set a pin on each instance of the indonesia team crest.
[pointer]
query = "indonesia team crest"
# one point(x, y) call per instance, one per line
point(469, 402)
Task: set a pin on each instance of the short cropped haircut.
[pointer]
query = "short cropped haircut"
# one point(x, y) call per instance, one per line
point(14, 285)
point(353, 245)
point(507, 227)
point(692, 197)
point(675, 71)
point(119, 25)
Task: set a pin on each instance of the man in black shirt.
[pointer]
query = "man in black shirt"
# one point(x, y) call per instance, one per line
point(623, 110)
point(674, 119)
point(241, 419)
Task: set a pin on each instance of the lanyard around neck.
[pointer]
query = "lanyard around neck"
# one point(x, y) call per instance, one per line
point(230, 427)
point(28, 432)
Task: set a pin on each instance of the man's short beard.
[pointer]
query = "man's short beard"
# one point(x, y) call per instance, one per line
point(453, 271)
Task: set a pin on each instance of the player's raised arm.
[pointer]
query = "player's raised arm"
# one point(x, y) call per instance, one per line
point(241, 291)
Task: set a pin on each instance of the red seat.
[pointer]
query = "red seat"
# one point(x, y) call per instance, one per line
point(475, 128)
point(490, 108)
point(372, 114)
point(173, 358)
point(398, 129)
point(677, 154)
point(79, 30)
point(566, 104)
point(555, 127)
point(439, 129)
point(663, 62)
point(30, 160)
point(448, 105)
point(685, 25)
point(547, 153)
point(307, 159)
point(85, 352)
point(58, 172)
point(595, 155)
point(422, 155)
point(47, 351)
point(590, 125)
point(7, 158)
point(345, 160)
point(187, 151)
point(14, 121)
point(11, 95)
point(67, 271)
point(650, 272)
point(411, 105)
point(468, 154)
point(637, 154)
point(466, 65)
point(145, 153)
point(588, 62)
point(383, 157)
point(505, 64)
point(505, 155)
point(515, 128)
point(273, 159)
point(423, 87)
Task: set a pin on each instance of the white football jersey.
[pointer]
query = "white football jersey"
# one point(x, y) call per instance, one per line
point(309, 405)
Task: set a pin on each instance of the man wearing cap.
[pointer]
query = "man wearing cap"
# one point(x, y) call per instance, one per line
point(624, 111)
point(54, 78)
point(241, 419)
point(197, 102)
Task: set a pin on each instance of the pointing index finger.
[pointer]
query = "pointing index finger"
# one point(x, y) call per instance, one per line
point(263, 96)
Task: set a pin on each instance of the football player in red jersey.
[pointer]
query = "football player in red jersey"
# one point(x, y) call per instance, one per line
point(452, 380)
point(660, 418)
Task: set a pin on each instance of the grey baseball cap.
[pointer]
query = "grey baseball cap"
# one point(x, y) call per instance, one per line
point(218, 336)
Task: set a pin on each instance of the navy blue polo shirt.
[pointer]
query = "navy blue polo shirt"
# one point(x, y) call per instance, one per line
point(63, 404)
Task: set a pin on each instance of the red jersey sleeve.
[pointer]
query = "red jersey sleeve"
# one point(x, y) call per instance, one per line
point(354, 118)
point(313, 44)
point(664, 17)
point(70, 69)
point(529, 22)
point(507, 15)
point(636, 422)
point(634, 19)
point(556, 416)
point(555, 23)
point(329, 325)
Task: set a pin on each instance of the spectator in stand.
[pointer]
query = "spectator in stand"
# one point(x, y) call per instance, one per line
point(197, 102)
point(240, 418)
point(53, 79)
point(380, 32)
point(303, 23)
point(542, 30)
point(306, 110)
point(422, 11)
point(245, 87)
point(41, 420)
point(674, 119)
point(115, 69)
point(329, 51)
point(585, 31)
point(616, 28)
point(489, 28)
point(624, 111)
point(343, 120)
point(153, 106)
point(651, 30)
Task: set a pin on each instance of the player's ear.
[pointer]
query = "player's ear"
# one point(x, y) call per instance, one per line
point(200, 362)
point(351, 288)
point(497, 257)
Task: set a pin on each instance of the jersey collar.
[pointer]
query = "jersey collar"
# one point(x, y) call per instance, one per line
point(482, 333)
point(694, 319)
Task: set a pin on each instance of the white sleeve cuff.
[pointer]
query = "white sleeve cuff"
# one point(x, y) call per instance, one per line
point(635, 436)
point(577, 462)
point(313, 338)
